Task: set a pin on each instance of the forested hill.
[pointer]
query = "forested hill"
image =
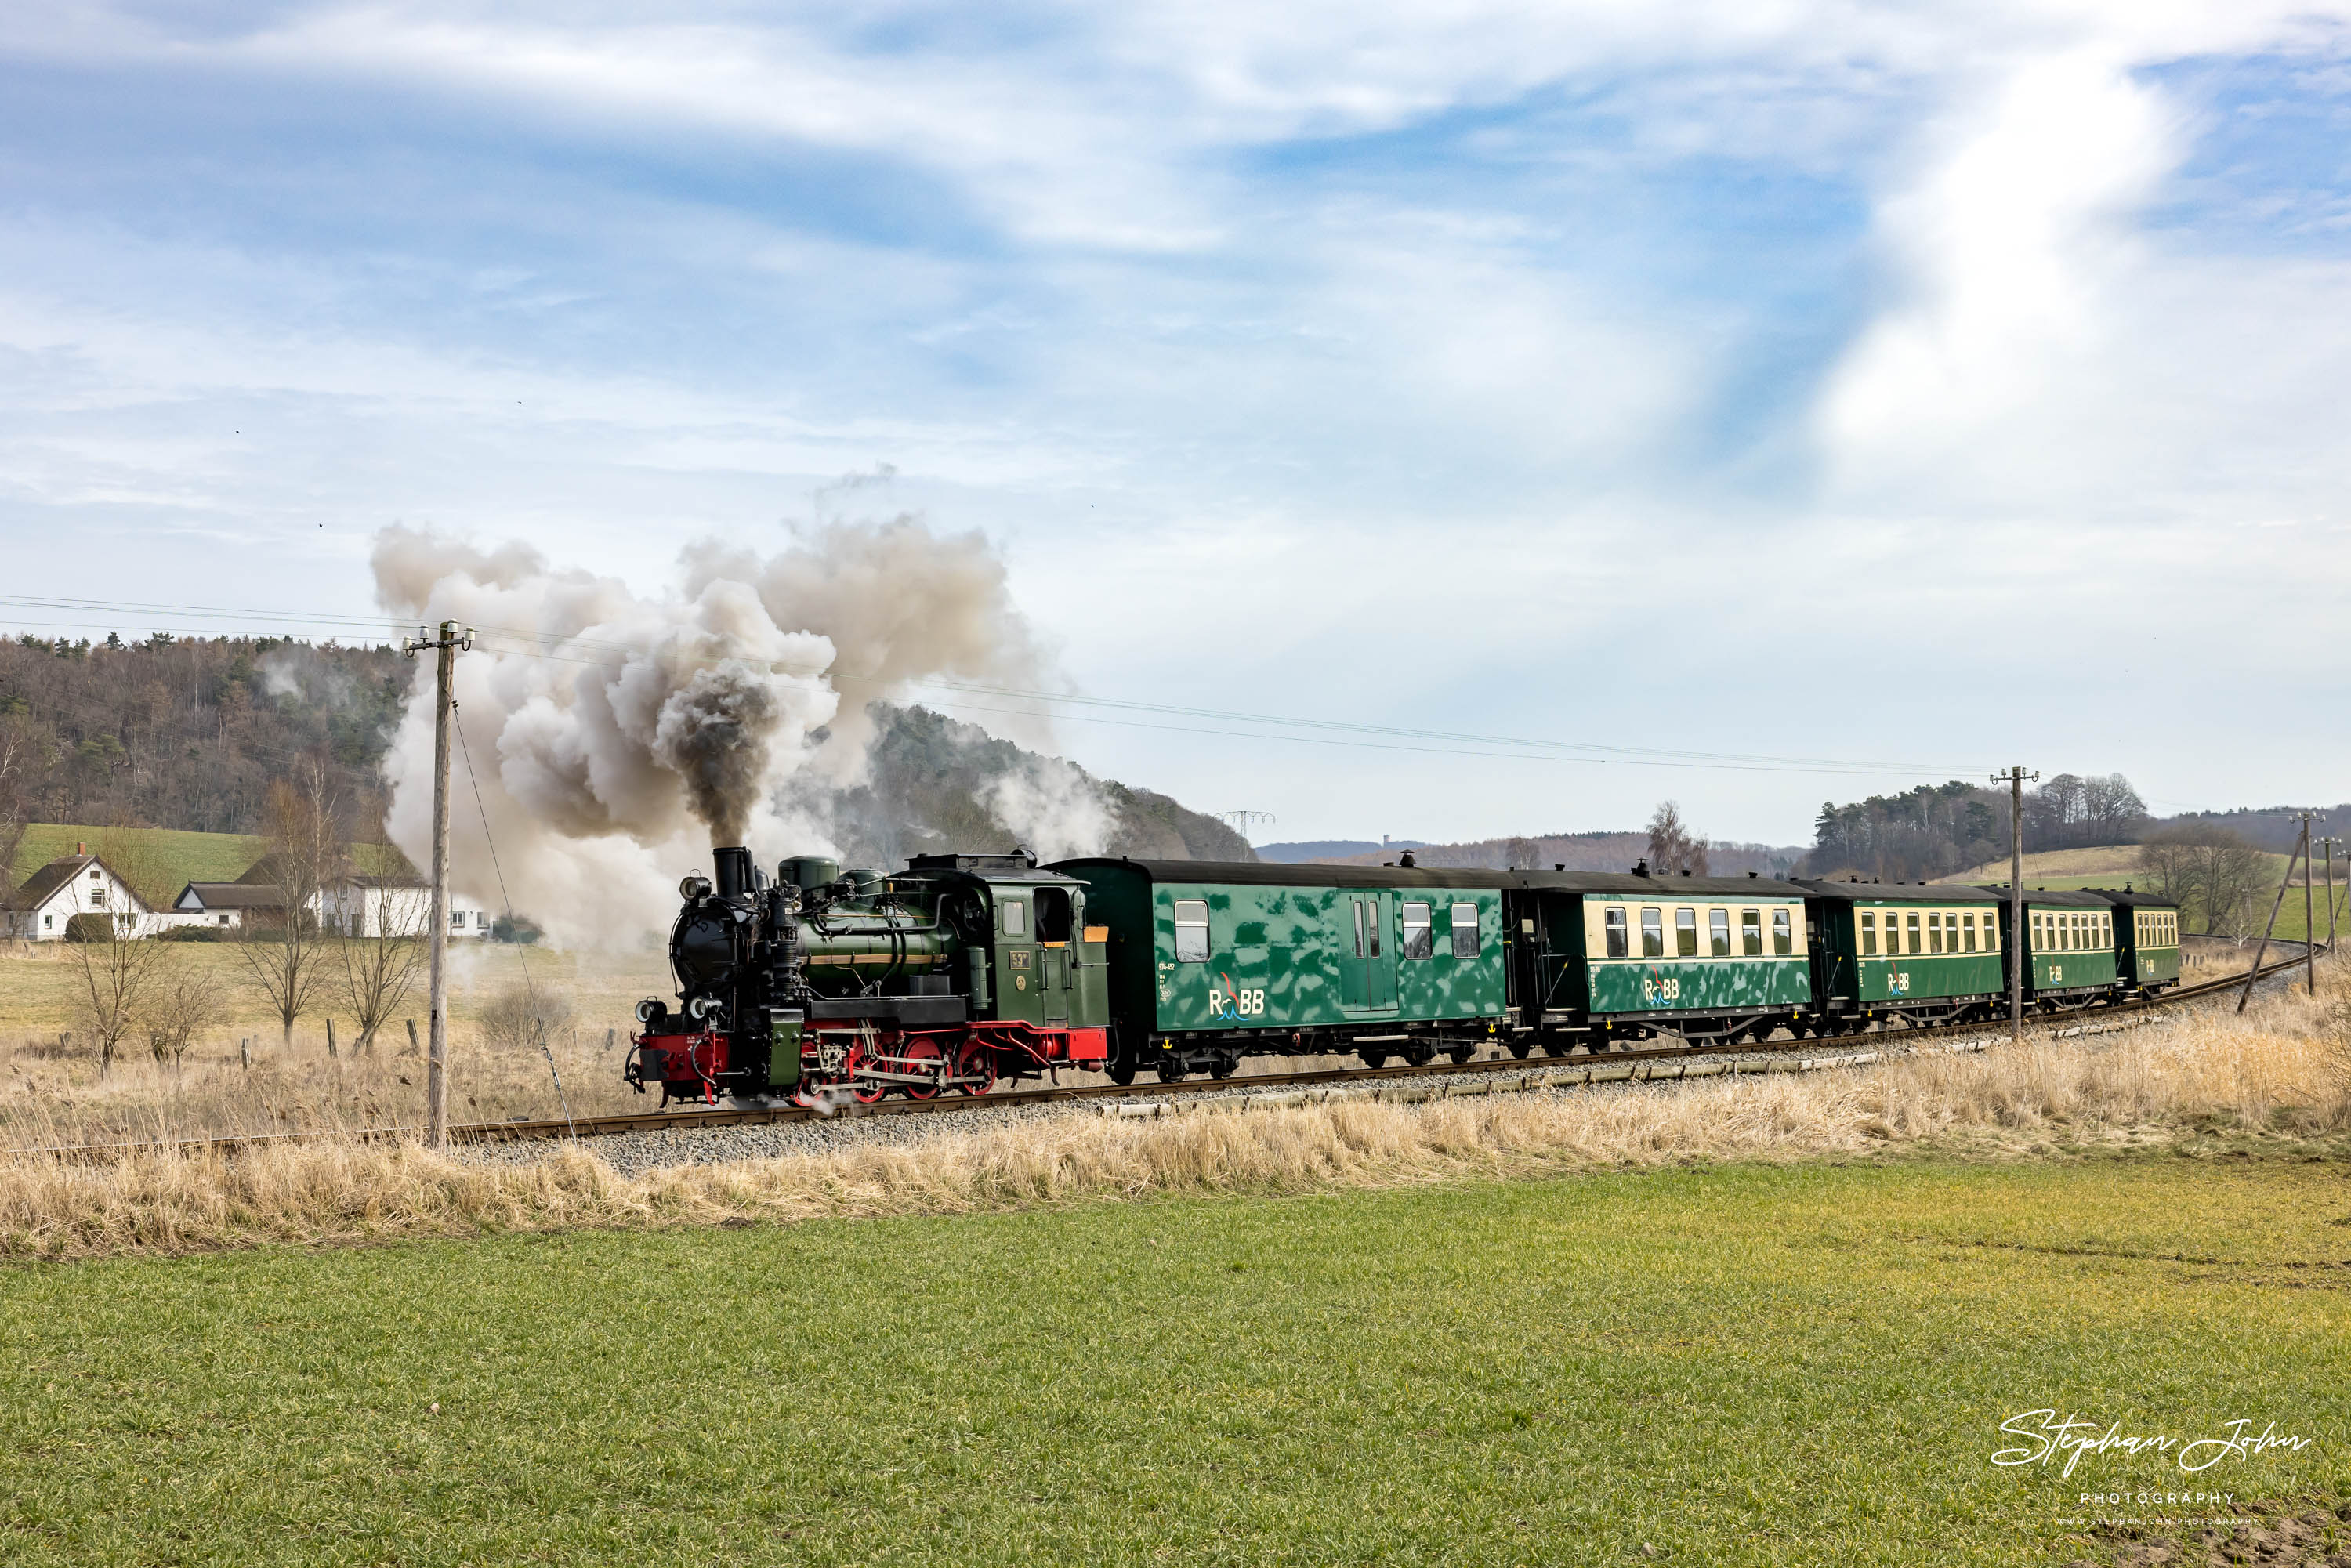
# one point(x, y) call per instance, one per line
point(188, 734)
point(1935, 830)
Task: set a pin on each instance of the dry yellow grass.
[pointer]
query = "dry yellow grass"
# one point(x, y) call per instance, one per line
point(2282, 1073)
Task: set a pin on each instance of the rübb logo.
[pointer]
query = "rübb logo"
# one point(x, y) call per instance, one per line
point(1656, 987)
point(1233, 1003)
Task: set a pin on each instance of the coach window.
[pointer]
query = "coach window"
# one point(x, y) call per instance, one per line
point(1868, 935)
point(1717, 931)
point(1191, 929)
point(1992, 933)
point(1652, 933)
point(1614, 920)
point(1751, 933)
point(1465, 931)
point(1685, 932)
point(1968, 928)
point(1916, 944)
point(1783, 940)
point(1417, 943)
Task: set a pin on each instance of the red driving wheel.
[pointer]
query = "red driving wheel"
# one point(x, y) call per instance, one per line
point(923, 1054)
point(976, 1060)
point(864, 1091)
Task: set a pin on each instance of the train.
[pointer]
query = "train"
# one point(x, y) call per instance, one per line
point(964, 971)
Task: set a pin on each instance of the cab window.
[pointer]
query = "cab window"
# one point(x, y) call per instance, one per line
point(1465, 931)
point(1052, 914)
point(1684, 933)
point(1013, 918)
point(1614, 920)
point(1191, 930)
point(1417, 942)
point(1751, 933)
point(1653, 933)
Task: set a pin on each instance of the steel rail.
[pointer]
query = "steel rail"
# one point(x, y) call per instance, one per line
point(593, 1126)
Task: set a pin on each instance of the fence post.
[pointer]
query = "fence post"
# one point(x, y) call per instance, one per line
point(331, 1039)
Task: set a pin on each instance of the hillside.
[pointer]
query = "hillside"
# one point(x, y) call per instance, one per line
point(162, 861)
point(186, 733)
point(936, 783)
point(184, 737)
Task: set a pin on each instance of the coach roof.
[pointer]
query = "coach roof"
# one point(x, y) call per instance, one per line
point(1288, 873)
point(1899, 892)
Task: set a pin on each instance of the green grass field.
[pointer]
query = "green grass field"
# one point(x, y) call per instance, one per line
point(1736, 1365)
point(173, 859)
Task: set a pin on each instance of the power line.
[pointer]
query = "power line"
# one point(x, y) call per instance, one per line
point(1258, 726)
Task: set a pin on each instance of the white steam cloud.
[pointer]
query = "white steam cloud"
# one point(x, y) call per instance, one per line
point(615, 737)
point(1052, 808)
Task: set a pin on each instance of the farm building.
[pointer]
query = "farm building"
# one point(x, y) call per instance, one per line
point(80, 883)
point(353, 905)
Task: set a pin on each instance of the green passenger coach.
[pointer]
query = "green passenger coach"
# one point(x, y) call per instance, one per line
point(1209, 961)
point(1917, 952)
point(2147, 933)
point(2070, 941)
point(1608, 956)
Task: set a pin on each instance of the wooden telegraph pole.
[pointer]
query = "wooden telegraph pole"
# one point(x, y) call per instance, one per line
point(2309, 926)
point(436, 1094)
point(2301, 848)
point(2332, 843)
point(2017, 956)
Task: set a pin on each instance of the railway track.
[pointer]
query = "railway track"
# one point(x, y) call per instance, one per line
point(1550, 1068)
point(742, 1115)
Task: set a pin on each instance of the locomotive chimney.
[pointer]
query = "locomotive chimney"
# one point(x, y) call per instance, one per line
point(733, 871)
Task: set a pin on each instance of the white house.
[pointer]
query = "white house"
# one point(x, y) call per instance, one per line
point(352, 906)
point(371, 905)
point(80, 883)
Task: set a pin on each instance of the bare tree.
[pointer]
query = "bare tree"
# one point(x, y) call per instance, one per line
point(1674, 846)
point(383, 952)
point(287, 962)
point(2214, 874)
point(114, 960)
point(187, 999)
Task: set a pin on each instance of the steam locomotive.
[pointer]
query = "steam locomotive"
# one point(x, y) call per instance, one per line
point(959, 972)
point(964, 970)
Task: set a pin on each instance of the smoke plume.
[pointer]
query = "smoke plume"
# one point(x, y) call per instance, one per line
point(615, 735)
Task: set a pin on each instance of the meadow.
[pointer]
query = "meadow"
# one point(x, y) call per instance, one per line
point(1716, 1364)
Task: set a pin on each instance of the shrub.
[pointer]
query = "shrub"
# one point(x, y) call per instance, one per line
point(90, 928)
point(191, 934)
point(519, 1017)
point(513, 928)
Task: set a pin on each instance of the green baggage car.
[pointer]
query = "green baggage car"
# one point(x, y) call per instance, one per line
point(1210, 962)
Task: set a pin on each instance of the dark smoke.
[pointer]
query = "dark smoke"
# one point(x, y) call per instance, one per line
point(714, 734)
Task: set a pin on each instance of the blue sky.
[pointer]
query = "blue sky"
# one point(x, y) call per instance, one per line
point(1935, 385)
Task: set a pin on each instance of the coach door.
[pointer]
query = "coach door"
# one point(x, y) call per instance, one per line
point(1366, 951)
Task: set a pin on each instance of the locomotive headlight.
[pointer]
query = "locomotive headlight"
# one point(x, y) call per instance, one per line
point(694, 886)
point(647, 1009)
point(702, 1007)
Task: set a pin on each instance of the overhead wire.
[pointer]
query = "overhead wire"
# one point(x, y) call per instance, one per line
point(506, 901)
point(1294, 728)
